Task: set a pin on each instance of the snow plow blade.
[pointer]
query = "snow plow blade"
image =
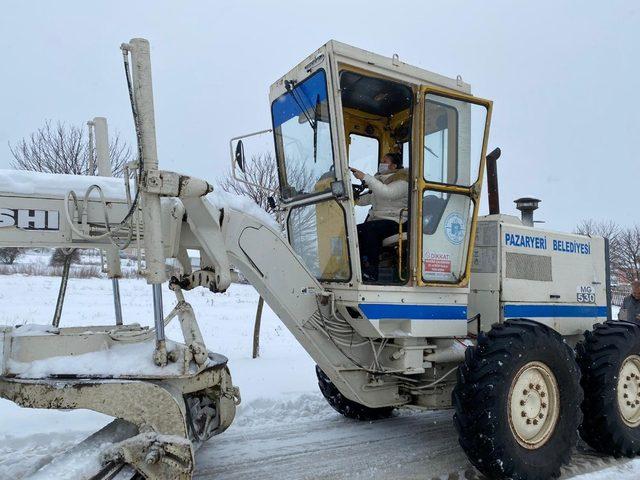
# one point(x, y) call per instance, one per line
point(83, 461)
point(160, 421)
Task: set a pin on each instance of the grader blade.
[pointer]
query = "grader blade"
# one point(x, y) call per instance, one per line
point(158, 457)
point(144, 404)
point(83, 461)
point(163, 414)
point(160, 422)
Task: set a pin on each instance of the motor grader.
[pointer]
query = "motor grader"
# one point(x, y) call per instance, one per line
point(486, 315)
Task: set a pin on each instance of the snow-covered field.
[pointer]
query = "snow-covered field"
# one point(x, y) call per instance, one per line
point(282, 373)
point(283, 429)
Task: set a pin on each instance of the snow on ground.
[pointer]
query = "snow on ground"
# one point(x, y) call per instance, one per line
point(283, 424)
point(629, 470)
point(284, 374)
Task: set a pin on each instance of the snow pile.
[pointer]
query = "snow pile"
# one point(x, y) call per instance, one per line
point(130, 360)
point(630, 470)
point(21, 456)
point(289, 410)
point(86, 461)
point(222, 199)
point(34, 329)
point(22, 182)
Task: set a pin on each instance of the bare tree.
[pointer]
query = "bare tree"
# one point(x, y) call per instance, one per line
point(624, 245)
point(607, 229)
point(601, 228)
point(63, 148)
point(262, 174)
point(59, 256)
point(10, 254)
point(629, 262)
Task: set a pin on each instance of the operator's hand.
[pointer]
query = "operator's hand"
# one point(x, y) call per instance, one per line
point(357, 173)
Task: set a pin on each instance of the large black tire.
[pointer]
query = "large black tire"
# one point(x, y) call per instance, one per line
point(346, 407)
point(514, 352)
point(601, 356)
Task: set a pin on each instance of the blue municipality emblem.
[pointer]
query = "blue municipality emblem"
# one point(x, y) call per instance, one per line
point(454, 228)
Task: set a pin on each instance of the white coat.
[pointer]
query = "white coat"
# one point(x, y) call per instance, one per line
point(388, 196)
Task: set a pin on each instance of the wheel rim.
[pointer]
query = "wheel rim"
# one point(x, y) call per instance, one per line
point(534, 400)
point(629, 390)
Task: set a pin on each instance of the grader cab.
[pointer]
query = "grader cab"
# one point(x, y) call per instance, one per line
point(412, 337)
point(343, 107)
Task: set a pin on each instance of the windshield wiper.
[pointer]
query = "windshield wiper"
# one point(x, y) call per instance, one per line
point(289, 85)
point(315, 128)
point(313, 122)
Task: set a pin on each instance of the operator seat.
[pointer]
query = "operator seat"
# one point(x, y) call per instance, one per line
point(432, 210)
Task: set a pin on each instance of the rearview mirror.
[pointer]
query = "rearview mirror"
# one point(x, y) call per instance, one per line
point(259, 152)
point(240, 155)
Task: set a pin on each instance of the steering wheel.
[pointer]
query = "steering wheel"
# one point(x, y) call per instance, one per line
point(358, 190)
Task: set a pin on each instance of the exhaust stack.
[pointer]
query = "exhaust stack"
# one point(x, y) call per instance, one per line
point(492, 182)
point(527, 205)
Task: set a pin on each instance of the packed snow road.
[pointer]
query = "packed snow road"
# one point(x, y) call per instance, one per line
point(283, 429)
point(411, 445)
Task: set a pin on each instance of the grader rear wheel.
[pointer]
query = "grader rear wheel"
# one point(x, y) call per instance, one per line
point(610, 361)
point(517, 400)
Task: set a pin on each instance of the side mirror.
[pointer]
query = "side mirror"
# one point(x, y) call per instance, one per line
point(261, 148)
point(240, 155)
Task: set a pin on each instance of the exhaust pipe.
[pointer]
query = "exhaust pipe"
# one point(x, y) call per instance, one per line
point(527, 205)
point(492, 182)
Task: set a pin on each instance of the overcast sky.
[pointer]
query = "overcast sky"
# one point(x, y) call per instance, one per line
point(563, 77)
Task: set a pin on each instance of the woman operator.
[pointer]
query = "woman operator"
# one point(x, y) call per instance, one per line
point(388, 197)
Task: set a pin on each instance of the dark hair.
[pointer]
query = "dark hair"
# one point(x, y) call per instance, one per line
point(396, 158)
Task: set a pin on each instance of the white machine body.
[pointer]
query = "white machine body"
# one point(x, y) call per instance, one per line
point(557, 279)
point(382, 344)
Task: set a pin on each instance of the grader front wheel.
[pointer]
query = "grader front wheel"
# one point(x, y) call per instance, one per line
point(517, 402)
point(534, 400)
point(346, 407)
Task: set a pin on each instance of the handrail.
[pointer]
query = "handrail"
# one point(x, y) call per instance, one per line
point(400, 246)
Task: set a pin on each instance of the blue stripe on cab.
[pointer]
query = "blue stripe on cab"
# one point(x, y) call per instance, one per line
point(547, 311)
point(382, 311)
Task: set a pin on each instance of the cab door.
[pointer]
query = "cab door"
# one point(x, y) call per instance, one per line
point(311, 189)
point(453, 132)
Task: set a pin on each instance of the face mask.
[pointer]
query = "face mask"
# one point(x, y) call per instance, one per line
point(383, 168)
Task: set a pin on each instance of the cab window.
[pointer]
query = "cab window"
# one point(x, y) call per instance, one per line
point(454, 137)
point(440, 140)
point(364, 154)
point(318, 234)
point(302, 134)
point(454, 131)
